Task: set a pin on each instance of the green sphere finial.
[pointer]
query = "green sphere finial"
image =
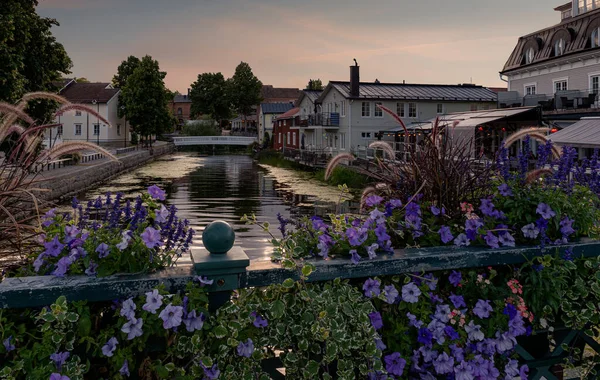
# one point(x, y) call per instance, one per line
point(218, 237)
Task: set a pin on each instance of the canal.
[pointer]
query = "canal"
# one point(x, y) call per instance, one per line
point(211, 188)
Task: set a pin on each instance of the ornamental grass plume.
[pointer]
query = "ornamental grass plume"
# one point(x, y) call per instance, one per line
point(534, 175)
point(385, 147)
point(334, 162)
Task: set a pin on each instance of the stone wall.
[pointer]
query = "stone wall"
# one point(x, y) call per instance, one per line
point(66, 186)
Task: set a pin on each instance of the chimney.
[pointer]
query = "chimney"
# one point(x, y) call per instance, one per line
point(188, 93)
point(355, 80)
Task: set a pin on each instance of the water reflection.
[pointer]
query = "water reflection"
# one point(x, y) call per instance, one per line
point(227, 187)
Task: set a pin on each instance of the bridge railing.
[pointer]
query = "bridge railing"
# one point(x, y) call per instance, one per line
point(214, 140)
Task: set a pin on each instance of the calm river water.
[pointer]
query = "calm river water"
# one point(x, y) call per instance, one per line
point(205, 189)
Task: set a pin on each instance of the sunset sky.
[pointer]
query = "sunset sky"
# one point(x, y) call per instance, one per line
point(286, 42)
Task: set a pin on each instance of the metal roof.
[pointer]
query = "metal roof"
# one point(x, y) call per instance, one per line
point(400, 91)
point(276, 107)
point(181, 99)
point(585, 134)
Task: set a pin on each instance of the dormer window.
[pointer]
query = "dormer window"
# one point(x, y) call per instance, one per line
point(559, 47)
point(596, 37)
point(529, 56)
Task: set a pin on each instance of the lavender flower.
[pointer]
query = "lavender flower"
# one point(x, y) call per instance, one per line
point(193, 321)
point(103, 250)
point(91, 269)
point(442, 313)
point(371, 288)
point(53, 247)
point(59, 358)
point(8, 345)
point(373, 200)
point(444, 364)
point(204, 281)
point(462, 241)
point(516, 326)
point(435, 211)
point(394, 364)
point(124, 371)
point(486, 207)
point(445, 234)
point(474, 332)
point(506, 239)
point(245, 349)
point(355, 258)
point(156, 192)
point(491, 240)
point(161, 215)
point(128, 309)
point(463, 371)
point(109, 348)
point(505, 342)
point(382, 235)
point(62, 266)
point(410, 293)
point(151, 237)
point(58, 376)
point(413, 322)
point(482, 309)
point(325, 243)
point(379, 344)
point(566, 226)
point(259, 321)
point(545, 211)
point(505, 190)
point(126, 237)
point(171, 316)
point(133, 328)
point(372, 250)
point(153, 301)
point(512, 368)
point(457, 301)
point(391, 293)
point(376, 320)
point(530, 231)
point(212, 373)
point(318, 224)
point(455, 278)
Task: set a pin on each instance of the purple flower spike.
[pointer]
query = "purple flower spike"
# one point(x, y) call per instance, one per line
point(156, 192)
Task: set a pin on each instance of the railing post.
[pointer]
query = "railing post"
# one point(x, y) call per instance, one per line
point(221, 262)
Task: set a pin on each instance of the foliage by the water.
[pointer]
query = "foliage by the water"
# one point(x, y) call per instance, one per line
point(205, 127)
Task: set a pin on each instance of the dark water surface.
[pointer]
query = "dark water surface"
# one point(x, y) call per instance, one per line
point(205, 189)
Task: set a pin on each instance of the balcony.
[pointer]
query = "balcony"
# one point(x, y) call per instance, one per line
point(325, 119)
point(569, 101)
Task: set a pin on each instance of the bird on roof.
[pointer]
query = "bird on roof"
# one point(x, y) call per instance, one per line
point(355, 63)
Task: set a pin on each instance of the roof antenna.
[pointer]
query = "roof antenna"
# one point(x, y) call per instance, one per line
point(355, 63)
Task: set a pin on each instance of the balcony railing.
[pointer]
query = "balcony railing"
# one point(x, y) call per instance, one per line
point(560, 101)
point(325, 119)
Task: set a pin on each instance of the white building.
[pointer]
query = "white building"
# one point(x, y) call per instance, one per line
point(76, 125)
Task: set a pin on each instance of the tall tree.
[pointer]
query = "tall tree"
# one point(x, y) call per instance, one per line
point(146, 99)
point(30, 57)
point(124, 71)
point(209, 97)
point(244, 90)
point(314, 84)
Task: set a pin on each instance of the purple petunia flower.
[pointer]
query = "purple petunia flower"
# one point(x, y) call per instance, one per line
point(212, 373)
point(424, 337)
point(410, 293)
point(91, 269)
point(126, 237)
point(457, 301)
point(510, 310)
point(545, 211)
point(445, 234)
point(396, 203)
point(161, 215)
point(124, 371)
point(203, 280)
point(71, 233)
point(354, 257)
point(53, 247)
point(474, 332)
point(505, 190)
point(8, 345)
point(372, 250)
point(59, 358)
point(507, 240)
point(318, 224)
point(39, 261)
point(325, 243)
point(171, 316)
point(463, 371)
point(530, 231)
point(193, 321)
point(62, 266)
point(462, 241)
point(505, 342)
point(245, 349)
point(444, 364)
point(151, 237)
point(58, 376)
point(512, 368)
point(156, 192)
point(491, 240)
point(376, 320)
point(109, 348)
point(259, 321)
point(435, 210)
point(153, 301)
point(355, 238)
point(442, 313)
point(516, 326)
point(128, 309)
point(380, 345)
point(373, 200)
point(413, 209)
point(482, 309)
point(566, 226)
point(486, 207)
point(413, 322)
point(377, 216)
point(455, 278)
point(371, 288)
point(568, 255)
point(133, 328)
point(391, 293)
point(381, 233)
point(394, 364)
point(523, 371)
point(452, 334)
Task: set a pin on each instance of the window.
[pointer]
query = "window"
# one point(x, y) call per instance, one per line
point(412, 109)
point(77, 113)
point(596, 38)
point(343, 141)
point(440, 108)
point(366, 109)
point(378, 111)
point(280, 137)
point(400, 109)
point(96, 129)
point(294, 138)
point(118, 129)
point(529, 56)
point(179, 111)
point(530, 89)
point(559, 47)
point(560, 85)
point(566, 14)
point(366, 135)
point(343, 113)
point(287, 140)
point(595, 83)
point(59, 130)
point(77, 129)
point(473, 107)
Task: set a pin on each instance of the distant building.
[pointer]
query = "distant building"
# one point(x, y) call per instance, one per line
point(267, 112)
point(558, 68)
point(270, 94)
point(181, 107)
point(286, 132)
point(76, 125)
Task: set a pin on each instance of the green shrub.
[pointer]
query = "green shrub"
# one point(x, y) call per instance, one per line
point(201, 128)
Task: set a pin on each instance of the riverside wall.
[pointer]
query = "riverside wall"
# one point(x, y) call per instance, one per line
point(60, 186)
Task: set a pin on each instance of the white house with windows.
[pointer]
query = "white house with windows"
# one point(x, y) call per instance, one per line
point(76, 125)
point(558, 67)
point(347, 117)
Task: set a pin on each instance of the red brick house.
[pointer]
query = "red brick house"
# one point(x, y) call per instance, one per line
point(285, 131)
point(181, 106)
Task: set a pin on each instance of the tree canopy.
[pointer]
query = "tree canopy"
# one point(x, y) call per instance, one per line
point(314, 84)
point(244, 89)
point(145, 98)
point(209, 96)
point(124, 71)
point(30, 57)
